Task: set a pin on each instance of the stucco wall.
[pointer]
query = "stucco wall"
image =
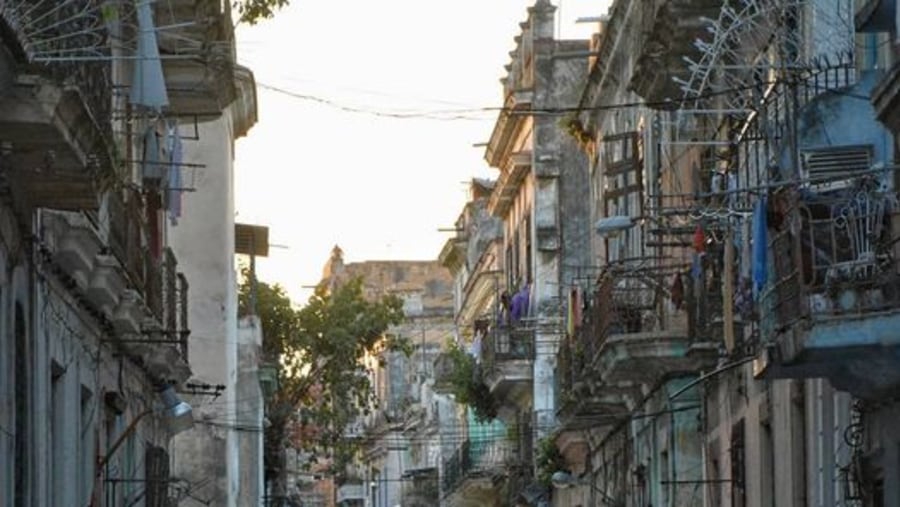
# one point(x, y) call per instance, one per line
point(203, 241)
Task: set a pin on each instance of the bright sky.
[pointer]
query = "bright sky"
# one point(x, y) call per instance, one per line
point(379, 187)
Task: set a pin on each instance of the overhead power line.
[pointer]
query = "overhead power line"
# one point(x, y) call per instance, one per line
point(467, 113)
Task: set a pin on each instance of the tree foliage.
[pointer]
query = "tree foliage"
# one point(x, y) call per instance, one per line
point(549, 460)
point(254, 11)
point(319, 348)
point(468, 386)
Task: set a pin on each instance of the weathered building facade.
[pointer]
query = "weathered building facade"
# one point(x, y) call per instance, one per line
point(481, 459)
point(403, 434)
point(702, 203)
point(96, 299)
point(730, 349)
point(540, 198)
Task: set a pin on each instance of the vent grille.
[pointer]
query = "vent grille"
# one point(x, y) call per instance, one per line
point(835, 167)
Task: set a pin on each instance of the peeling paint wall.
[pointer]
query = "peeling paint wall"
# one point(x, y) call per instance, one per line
point(203, 240)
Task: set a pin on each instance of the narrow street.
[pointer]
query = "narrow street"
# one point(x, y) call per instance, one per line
point(517, 253)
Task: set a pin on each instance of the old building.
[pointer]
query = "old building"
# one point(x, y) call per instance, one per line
point(101, 112)
point(733, 345)
point(721, 333)
point(481, 461)
point(402, 436)
point(513, 296)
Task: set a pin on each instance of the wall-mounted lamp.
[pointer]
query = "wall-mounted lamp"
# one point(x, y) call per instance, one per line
point(614, 225)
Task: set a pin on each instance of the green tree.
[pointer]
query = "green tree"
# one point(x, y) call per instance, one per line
point(468, 387)
point(254, 11)
point(322, 385)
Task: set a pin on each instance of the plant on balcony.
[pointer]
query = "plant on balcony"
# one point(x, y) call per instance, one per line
point(549, 461)
point(468, 387)
point(254, 11)
point(321, 384)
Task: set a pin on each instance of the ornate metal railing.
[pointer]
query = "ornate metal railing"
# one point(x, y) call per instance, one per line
point(507, 343)
point(476, 456)
point(127, 235)
point(154, 289)
point(184, 329)
point(66, 40)
point(834, 254)
point(455, 467)
point(622, 303)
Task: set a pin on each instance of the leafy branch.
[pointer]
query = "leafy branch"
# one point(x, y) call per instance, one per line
point(322, 385)
point(468, 387)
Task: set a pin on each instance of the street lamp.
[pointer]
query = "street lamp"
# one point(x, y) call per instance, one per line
point(179, 416)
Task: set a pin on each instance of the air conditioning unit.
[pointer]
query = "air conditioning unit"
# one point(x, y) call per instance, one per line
point(834, 167)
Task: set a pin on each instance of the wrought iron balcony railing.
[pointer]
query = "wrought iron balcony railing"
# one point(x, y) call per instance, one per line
point(477, 456)
point(835, 254)
point(621, 304)
point(127, 236)
point(163, 288)
point(69, 42)
point(507, 343)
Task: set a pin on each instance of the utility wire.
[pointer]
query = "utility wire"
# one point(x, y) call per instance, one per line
point(465, 114)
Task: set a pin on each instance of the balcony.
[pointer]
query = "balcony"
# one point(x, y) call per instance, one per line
point(55, 128)
point(507, 356)
point(629, 342)
point(157, 307)
point(421, 487)
point(469, 474)
point(443, 373)
point(198, 55)
point(351, 494)
point(671, 28)
point(833, 308)
point(582, 402)
point(143, 300)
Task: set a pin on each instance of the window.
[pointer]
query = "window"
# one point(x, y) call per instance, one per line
point(21, 408)
point(87, 450)
point(622, 184)
point(738, 465)
point(57, 425)
point(767, 465)
point(156, 461)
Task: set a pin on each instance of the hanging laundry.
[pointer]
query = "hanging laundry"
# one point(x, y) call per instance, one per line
point(677, 291)
point(175, 180)
point(746, 239)
point(151, 163)
point(696, 266)
point(579, 306)
point(475, 348)
point(148, 85)
point(760, 246)
point(519, 306)
point(699, 239)
point(504, 310)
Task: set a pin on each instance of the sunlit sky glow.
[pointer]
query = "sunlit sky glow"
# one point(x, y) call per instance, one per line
point(379, 186)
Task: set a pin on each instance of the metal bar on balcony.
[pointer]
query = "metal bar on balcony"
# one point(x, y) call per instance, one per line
point(508, 343)
point(153, 287)
point(170, 292)
point(183, 327)
point(838, 260)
